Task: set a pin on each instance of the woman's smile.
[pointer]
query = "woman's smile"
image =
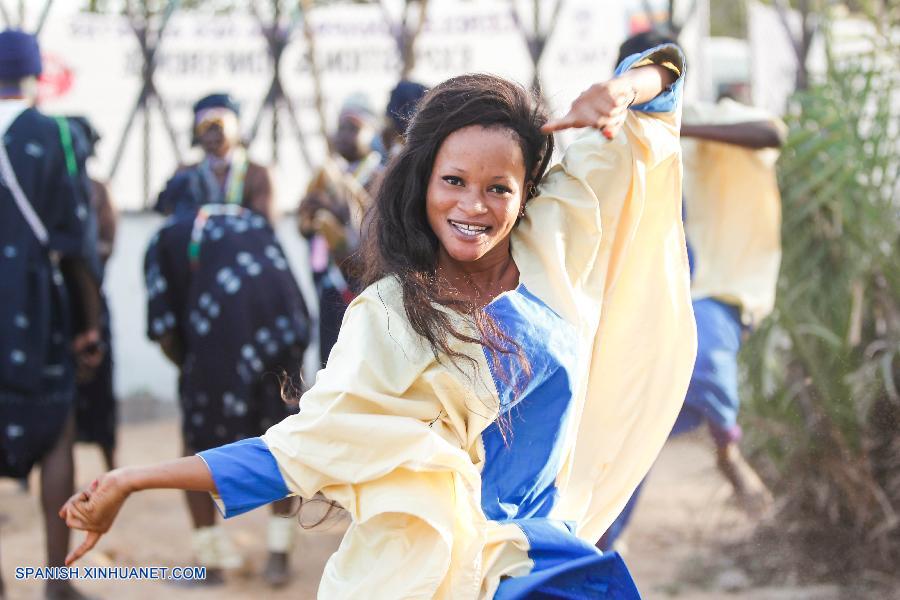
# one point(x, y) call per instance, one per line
point(469, 230)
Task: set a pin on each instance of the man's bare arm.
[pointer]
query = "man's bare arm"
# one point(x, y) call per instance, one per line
point(754, 135)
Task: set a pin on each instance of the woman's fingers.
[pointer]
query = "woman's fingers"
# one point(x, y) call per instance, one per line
point(578, 116)
point(73, 516)
point(77, 511)
point(79, 496)
point(593, 109)
point(612, 126)
point(89, 542)
point(565, 122)
point(601, 122)
point(75, 521)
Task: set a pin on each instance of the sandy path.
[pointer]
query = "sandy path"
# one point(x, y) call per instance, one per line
point(669, 548)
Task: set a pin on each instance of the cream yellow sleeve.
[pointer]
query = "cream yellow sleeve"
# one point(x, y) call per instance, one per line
point(645, 343)
point(568, 244)
point(607, 229)
point(367, 437)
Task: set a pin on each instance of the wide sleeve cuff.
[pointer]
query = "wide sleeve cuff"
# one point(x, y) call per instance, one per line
point(668, 56)
point(246, 476)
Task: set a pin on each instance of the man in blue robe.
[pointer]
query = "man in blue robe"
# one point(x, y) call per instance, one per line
point(50, 307)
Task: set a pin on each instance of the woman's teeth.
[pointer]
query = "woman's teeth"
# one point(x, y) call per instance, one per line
point(469, 230)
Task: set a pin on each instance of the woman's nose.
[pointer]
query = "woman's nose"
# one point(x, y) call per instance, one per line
point(473, 203)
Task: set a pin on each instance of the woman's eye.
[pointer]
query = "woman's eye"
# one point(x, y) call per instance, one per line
point(500, 189)
point(452, 180)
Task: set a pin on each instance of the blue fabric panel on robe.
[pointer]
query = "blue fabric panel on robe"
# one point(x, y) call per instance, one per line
point(523, 455)
point(713, 393)
point(523, 448)
point(567, 567)
point(246, 475)
point(669, 98)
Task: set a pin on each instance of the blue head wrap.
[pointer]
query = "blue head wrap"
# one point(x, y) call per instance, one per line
point(217, 101)
point(20, 55)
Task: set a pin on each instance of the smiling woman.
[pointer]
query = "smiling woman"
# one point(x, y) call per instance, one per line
point(488, 407)
point(475, 196)
point(474, 152)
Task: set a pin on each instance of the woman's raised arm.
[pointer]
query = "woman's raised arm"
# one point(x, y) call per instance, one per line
point(95, 508)
point(604, 106)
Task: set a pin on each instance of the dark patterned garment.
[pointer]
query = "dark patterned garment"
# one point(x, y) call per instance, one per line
point(95, 403)
point(37, 384)
point(95, 399)
point(219, 284)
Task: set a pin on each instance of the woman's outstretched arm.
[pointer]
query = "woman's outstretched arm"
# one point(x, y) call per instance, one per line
point(604, 106)
point(95, 508)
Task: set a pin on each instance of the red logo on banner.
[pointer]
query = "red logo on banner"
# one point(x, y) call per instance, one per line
point(56, 80)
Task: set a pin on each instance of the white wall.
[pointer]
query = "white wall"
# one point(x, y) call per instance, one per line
point(93, 65)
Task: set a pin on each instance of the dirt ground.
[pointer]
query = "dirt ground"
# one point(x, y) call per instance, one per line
point(672, 547)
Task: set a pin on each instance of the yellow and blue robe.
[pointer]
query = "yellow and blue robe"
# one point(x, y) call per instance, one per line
point(462, 484)
point(733, 226)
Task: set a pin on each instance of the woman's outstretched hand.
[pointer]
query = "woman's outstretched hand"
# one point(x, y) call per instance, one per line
point(603, 106)
point(94, 509)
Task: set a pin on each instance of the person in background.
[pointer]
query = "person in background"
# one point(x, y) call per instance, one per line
point(226, 174)
point(330, 215)
point(231, 201)
point(401, 105)
point(49, 314)
point(226, 309)
point(95, 415)
point(733, 229)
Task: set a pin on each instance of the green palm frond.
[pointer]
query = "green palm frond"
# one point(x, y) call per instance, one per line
point(824, 369)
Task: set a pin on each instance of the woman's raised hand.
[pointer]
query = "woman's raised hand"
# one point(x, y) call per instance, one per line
point(603, 106)
point(94, 509)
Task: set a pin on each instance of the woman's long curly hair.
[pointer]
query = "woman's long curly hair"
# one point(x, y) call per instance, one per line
point(398, 240)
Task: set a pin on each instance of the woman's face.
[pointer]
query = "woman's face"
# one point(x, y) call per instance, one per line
point(475, 193)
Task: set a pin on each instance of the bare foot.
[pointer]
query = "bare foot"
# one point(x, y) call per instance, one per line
point(751, 493)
